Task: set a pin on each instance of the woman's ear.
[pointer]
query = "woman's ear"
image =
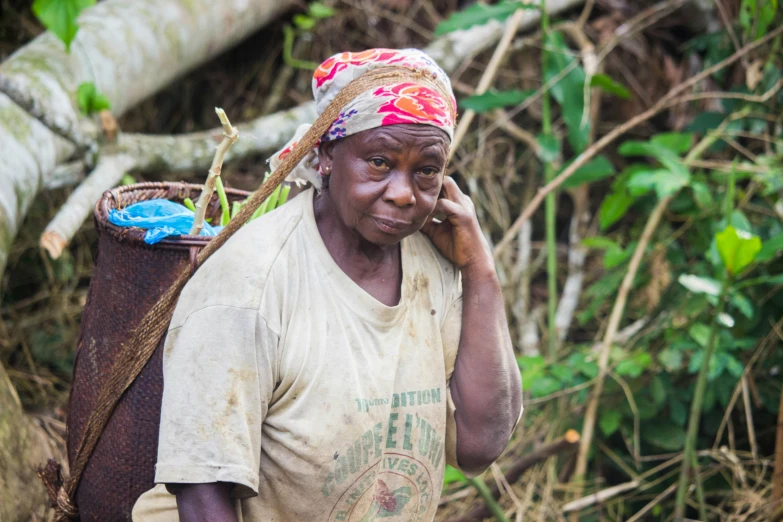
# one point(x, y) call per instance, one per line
point(326, 157)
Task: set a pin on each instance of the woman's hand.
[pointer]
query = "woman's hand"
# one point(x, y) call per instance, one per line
point(459, 237)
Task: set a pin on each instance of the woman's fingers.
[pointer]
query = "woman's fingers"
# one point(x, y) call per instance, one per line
point(448, 208)
point(451, 189)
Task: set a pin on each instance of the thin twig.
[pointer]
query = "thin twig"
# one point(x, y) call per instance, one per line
point(230, 136)
point(599, 496)
point(749, 417)
point(489, 76)
point(618, 131)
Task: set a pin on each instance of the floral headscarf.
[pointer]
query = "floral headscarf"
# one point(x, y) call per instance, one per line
point(405, 102)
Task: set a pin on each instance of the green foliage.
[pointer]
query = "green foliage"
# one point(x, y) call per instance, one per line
point(756, 16)
point(548, 148)
point(568, 91)
point(480, 13)
point(59, 17)
point(594, 170)
point(303, 23)
point(491, 100)
point(737, 249)
point(90, 100)
point(608, 85)
point(452, 475)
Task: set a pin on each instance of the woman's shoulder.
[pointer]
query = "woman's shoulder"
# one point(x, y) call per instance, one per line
point(237, 273)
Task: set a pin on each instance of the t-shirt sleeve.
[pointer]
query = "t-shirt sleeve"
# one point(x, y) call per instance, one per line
point(451, 330)
point(219, 370)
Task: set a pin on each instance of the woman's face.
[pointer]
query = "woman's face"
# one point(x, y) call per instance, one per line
point(384, 182)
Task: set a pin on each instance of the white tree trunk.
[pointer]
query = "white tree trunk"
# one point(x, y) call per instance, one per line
point(128, 50)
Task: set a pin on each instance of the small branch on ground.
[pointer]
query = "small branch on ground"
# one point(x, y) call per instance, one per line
point(599, 496)
point(69, 218)
point(230, 135)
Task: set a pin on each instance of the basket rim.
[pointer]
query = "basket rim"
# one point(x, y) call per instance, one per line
point(162, 189)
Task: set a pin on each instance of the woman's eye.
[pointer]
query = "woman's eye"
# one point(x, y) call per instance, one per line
point(429, 172)
point(378, 163)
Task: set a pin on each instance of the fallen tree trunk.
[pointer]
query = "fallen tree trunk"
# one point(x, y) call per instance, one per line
point(129, 50)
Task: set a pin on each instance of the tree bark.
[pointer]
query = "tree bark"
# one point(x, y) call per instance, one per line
point(129, 50)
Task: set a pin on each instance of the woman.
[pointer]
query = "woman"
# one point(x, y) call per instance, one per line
point(334, 355)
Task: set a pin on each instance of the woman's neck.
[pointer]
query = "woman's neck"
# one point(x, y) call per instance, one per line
point(377, 269)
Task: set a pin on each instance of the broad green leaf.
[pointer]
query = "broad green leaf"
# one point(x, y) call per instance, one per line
point(664, 434)
point(491, 100)
point(658, 390)
point(616, 256)
point(659, 151)
point(700, 333)
point(608, 85)
point(677, 411)
point(770, 249)
point(609, 421)
point(700, 285)
point(742, 303)
point(665, 182)
point(89, 100)
point(734, 366)
point(59, 17)
point(670, 359)
point(701, 194)
point(544, 386)
point(756, 16)
point(452, 475)
point(548, 148)
point(569, 89)
point(706, 121)
point(479, 13)
point(634, 365)
point(579, 362)
point(677, 142)
point(613, 207)
point(319, 10)
point(594, 170)
point(600, 243)
point(737, 249)
point(304, 22)
point(562, 373)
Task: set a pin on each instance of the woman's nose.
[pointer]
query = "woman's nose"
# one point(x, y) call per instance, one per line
point(399, 190)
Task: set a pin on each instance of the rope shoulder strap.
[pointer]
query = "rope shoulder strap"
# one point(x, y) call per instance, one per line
point(136, 352)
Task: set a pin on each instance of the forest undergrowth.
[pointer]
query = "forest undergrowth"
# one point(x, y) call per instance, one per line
point(644, 297)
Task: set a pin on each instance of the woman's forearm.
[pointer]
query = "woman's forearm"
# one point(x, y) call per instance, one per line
point(486, 385)
point(205, 502)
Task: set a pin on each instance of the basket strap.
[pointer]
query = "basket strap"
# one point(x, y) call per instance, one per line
point(137, 351)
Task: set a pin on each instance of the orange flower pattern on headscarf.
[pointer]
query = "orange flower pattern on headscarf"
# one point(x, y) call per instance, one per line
point(402, 103)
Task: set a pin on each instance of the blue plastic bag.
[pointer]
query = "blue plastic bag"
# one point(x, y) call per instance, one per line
point(162, 218)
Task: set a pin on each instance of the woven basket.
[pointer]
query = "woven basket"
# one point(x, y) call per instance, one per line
point(130, 276)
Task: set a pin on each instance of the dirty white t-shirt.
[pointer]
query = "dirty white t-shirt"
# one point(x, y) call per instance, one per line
point(286, 378)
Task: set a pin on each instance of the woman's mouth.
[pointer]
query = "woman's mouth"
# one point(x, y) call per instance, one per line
point(391, 226)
